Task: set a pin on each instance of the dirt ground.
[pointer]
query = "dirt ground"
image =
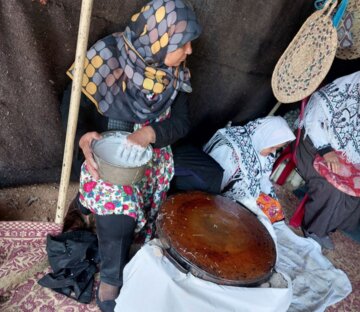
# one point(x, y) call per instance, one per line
point(38, 202)
point(33, 202)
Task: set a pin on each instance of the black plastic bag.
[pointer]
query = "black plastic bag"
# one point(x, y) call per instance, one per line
point(73, 257)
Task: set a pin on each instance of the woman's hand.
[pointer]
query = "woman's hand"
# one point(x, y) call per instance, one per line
point(332, 161)
point(143, 136)
point(85, 145)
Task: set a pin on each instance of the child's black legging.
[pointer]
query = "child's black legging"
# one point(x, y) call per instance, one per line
point(115, 235)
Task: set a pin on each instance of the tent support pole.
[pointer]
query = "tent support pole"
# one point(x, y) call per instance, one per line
point(81, 47)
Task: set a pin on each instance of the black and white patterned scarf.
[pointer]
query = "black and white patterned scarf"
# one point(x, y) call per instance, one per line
point(237, 150)
point(339, 116)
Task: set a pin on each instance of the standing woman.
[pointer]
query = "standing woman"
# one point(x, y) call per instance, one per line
point(331, 124)
point(138, 82)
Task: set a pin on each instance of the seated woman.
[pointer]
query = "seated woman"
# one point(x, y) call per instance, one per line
point(331, 124)
point(247, 155)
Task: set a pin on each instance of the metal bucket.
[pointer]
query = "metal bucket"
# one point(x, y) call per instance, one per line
point(109, 169)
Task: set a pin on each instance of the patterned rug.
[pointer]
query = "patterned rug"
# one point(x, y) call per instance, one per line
point(23, 261)
point(345, 256)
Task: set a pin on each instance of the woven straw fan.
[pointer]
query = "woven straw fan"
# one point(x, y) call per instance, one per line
point(307, 59)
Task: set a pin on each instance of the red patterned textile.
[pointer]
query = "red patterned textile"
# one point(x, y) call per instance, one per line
point(347, 180)
point(23, 261)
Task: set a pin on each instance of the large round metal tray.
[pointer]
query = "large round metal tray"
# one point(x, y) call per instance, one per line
point(216, 239)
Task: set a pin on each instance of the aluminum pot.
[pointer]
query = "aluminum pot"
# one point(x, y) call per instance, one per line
point(109, 167)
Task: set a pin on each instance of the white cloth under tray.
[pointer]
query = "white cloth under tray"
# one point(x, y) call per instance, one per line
point(153, 283)
point(316, 283)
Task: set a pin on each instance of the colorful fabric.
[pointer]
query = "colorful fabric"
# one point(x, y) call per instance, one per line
point(140, 201)
point(271, 207)
point(348, 178)
point(125, 75)
point(237, 150)
point(332, 117)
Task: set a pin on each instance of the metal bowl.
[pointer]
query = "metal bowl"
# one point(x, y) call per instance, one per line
point(110, 170)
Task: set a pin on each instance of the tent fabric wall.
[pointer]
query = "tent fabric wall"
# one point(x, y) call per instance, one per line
point(231, 65)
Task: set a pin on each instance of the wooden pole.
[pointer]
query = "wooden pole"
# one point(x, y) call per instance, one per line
point(81, 47)
point(275, 108)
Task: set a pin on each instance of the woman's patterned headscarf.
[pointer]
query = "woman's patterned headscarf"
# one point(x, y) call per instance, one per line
point(125, 75)
point(237, 150)
point(336, 108)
